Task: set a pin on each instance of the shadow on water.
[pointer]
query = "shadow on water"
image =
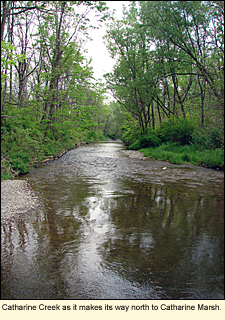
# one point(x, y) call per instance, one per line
point(112, 227)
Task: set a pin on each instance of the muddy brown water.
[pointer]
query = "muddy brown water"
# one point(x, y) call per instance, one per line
point(114, 227)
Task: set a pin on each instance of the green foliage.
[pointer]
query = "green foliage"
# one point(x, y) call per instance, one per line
point(179, 24)
point(23, 143)
point(150, 140)
point(94, 136)
point(8, 57)
point(163, 68)
point(181, 143)
point(179, 154)
point(175, 130)
point(131, 131)
point(208, 138)
point(114, 119)
point(134, 78)
point(20, 162)
point(186, 157)
point(49, 100)
point(5, 172)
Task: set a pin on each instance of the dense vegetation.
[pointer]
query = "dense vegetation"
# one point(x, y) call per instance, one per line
point(168, 81)
point(50, 101)
point(169, 76)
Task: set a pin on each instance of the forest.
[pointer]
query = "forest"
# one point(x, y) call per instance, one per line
point(167, 82)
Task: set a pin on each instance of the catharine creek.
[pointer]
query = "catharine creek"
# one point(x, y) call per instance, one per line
point(116, 227)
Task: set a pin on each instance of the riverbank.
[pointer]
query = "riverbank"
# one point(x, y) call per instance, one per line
point(11, 167)
point(191, 154)
point(17, 199)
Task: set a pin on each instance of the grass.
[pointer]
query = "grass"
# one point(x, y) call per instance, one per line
point(178, 154)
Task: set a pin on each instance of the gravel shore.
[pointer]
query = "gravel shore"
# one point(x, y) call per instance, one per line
point(17, 199)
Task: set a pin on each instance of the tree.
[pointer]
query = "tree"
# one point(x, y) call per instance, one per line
point(133, 81)
point(169, 61)
point(195, 28)
point(48, 99)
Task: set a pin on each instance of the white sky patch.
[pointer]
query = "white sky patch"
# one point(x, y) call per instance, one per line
point(96, 49)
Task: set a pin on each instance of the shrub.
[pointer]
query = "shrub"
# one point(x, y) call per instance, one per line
point(131, 133)
point(186, 157)
point(207, 138)
point(150, 140)
point(112, 136)
point(20, 162)
point(176, 130)
point(5, 172)
point(136, 145)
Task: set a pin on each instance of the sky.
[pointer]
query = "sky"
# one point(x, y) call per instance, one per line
point(101, 60)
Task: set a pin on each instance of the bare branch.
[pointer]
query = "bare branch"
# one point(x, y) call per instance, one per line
point(5, 116)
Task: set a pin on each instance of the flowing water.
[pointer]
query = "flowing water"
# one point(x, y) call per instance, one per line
point(114, 227)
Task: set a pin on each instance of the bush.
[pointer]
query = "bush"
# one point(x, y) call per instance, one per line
point(112, 136)
point(20, 162)
point(131, 133)
point(176, 130)
point(135, 146)
point(94, 136)
point(207, 138)
point(150, 140)
point(186, 157)
point(5, 172)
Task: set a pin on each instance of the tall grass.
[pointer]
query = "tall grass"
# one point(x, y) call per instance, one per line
point(179, 154)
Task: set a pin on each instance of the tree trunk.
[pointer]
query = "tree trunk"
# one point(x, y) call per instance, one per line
point(160, 120)
point(5, 14)
point(4, 93)
point(153, 117)
point(176, 93)
point(202, 101)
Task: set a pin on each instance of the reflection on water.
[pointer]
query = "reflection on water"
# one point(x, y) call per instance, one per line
point(114, 228)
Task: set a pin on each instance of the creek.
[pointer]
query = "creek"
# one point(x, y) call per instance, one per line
point(116, 227)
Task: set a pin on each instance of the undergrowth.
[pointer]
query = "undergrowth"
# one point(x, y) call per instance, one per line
point(192, 154)
point(24, 144)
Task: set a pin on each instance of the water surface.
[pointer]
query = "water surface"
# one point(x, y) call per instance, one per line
point(113, 227)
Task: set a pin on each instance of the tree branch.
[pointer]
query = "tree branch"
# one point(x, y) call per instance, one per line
point(5, 116)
